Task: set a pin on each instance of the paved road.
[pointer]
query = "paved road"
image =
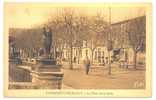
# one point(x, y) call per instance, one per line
point(98, 78)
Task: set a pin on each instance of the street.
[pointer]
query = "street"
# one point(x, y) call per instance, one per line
point(98, 78)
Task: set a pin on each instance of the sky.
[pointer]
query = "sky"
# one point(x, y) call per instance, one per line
point(27, 15)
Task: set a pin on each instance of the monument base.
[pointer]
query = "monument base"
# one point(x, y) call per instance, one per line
point(46, 74)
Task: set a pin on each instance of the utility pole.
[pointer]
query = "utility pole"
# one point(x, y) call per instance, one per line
point(109, 42)
point(71, 51)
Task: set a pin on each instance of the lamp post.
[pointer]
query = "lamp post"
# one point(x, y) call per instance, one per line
point(109, 45)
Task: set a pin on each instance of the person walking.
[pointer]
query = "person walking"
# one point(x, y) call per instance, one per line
point(87, 65)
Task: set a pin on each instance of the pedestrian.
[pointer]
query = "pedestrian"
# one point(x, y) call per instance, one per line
point(87, 65)
point(103, 61)
point(74, 59)
point(40, 52)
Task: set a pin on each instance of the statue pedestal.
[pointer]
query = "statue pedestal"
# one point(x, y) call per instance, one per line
point(46, 74)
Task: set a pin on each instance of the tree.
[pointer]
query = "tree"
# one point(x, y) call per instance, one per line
point(58, 40)
point(106, 37)
point(27, 39)
point(68, 19)
point(67, 30)
point(136, 29)
point(109, 41)
point(81, 28)
point(97, 30)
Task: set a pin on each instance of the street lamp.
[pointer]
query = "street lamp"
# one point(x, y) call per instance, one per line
point(109, 45)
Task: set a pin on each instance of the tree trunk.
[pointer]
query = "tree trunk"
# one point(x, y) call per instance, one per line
point(71, 57)
point(79, 56)
point(54, 55)
point(109, 65)
point(135, 59)
point(92, 57)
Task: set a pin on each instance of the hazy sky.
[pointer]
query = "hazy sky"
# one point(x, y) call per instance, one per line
point(28, 15)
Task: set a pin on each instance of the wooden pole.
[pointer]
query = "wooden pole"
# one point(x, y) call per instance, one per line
point(109, 72)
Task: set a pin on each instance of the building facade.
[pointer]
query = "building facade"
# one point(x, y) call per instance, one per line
point(100, 55)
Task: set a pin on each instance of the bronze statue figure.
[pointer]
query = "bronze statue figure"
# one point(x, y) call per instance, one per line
point(47, 40)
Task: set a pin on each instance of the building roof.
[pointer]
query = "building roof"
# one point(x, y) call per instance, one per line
point(121, 22)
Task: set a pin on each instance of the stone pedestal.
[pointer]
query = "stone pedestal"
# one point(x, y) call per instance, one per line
point(46, 74)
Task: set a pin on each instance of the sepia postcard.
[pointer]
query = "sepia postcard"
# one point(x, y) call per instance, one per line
point(77, 50)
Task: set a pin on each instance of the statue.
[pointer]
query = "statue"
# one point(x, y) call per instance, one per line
point(47, 40)
point(46, 74)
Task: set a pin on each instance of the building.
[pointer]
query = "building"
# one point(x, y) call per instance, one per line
point(100, 54)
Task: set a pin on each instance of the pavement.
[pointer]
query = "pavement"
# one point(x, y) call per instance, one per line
point(98, 78)
point(66, 87)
